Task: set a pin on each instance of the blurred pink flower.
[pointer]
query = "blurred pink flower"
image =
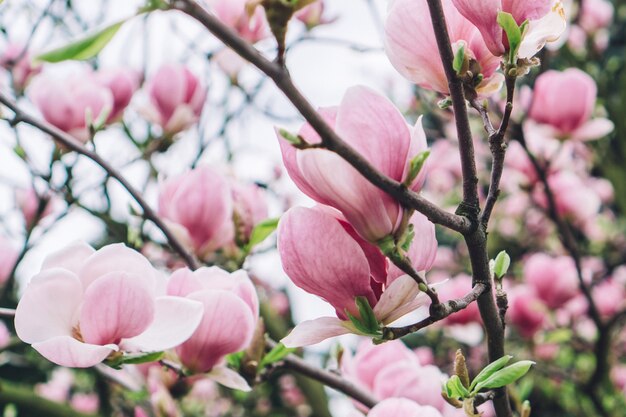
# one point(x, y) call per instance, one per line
point(29, 203)
point(401, 407)
point(122, 83)
point(419, 62)
point(176, 98)
point(8, 258)
point(595, 15)
point(313, 15)
point(565, 101)
point(553, 279)
point(199, 208)
point(101, 290)
point(372, 125)
point(234, 14)
point(21, 71)
point(526, 312)
point(458, 287)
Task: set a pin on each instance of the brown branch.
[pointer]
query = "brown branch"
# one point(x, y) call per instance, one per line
point(7, 312)
point(328, 378)
point(70, 143)
point(330, 139)
point(440, 312)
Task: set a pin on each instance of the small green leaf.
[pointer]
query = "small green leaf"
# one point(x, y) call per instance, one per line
point(415, 166)
point(513, 33)
point(278, 353)
point(459, 59)
point(501, 266)
point(261, 231)
point(455, 389)
point(234, 359)
point(134, 359)
point(490, 369)
point(367, 314)
point(505, 376)
point(294, 139)
point(84, 48)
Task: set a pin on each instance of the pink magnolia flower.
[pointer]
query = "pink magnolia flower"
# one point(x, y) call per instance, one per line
point(313, 15)
point(8, 258)
point(250, 25)
point(401, 407)
point(574, 198)
point(553, 279)
point(565, 101)
point(20, 64)
point(546, 22)
point(68, 103)
point(176, 98)
point(324, 256)
point(249, 207)
point(458, 287)
point(29, 203)
point(122, 83)
point(87, 403)
point(58, 387)
point(526, 312)
point(596, 15)
point(372, 125)
point(609, 296)
point(199, 207)
point(113, 302)
point(419, 62)
point(231, 311)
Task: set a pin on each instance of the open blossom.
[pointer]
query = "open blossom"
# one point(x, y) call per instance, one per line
point(554, 279)
point(596, 15)
point(565, 102)
point(199, 207)
point(8, 258)
point(22, 70)
point(546, 22)
point(402, 407)
point(419, 61)
point(231, 311)
point(113, 301)
point(573, 197)
point(235, 14)
point(323, 255)
point(176, 98)
point(372, 125)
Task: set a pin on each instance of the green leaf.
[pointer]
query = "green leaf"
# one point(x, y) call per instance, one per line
point(84, 48)
point(459, 60)
point(490, 369)
point(505, 376)
point(501, 266)
point(261, 231)
point(455, 389)
point(368, 324)
point(415, 166)
point(134, 359)
point(513, 33)
point(234, 359)
point(278, 353)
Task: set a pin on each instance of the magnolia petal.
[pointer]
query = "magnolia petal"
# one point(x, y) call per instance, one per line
point(311, 332)
point(67, 351)
point(402, 407)
point(71, 257)
point(229, 378)
point(401, 292)
point(593, 129)
point(49, 306)
point(175, 320)
point(547, 29)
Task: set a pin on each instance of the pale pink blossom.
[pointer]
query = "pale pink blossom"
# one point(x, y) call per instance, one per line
point(249, 208)
point(34, 207)
point(231, 310)
point(22, 70)
point(87, 403)
point(610, 297)
point(113, 302)
point(565, 102)
point(235, 14)
point(70, 103)
point(419, 61)
point(177, 97)
point(573, 197)
point(527, 312)
point(313, 15)
point(8, 257)
point(596, 15)
point(553, 279)
point(401, 407)
point(199, 208)
point(546, 22)
point(122, 83)
point(324, 256)
point(372, 125)
point(58, 387)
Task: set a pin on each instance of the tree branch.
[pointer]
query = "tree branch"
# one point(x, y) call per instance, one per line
point(330, 139)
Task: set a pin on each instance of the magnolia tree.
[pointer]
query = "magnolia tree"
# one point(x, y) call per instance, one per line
point(455, 204)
